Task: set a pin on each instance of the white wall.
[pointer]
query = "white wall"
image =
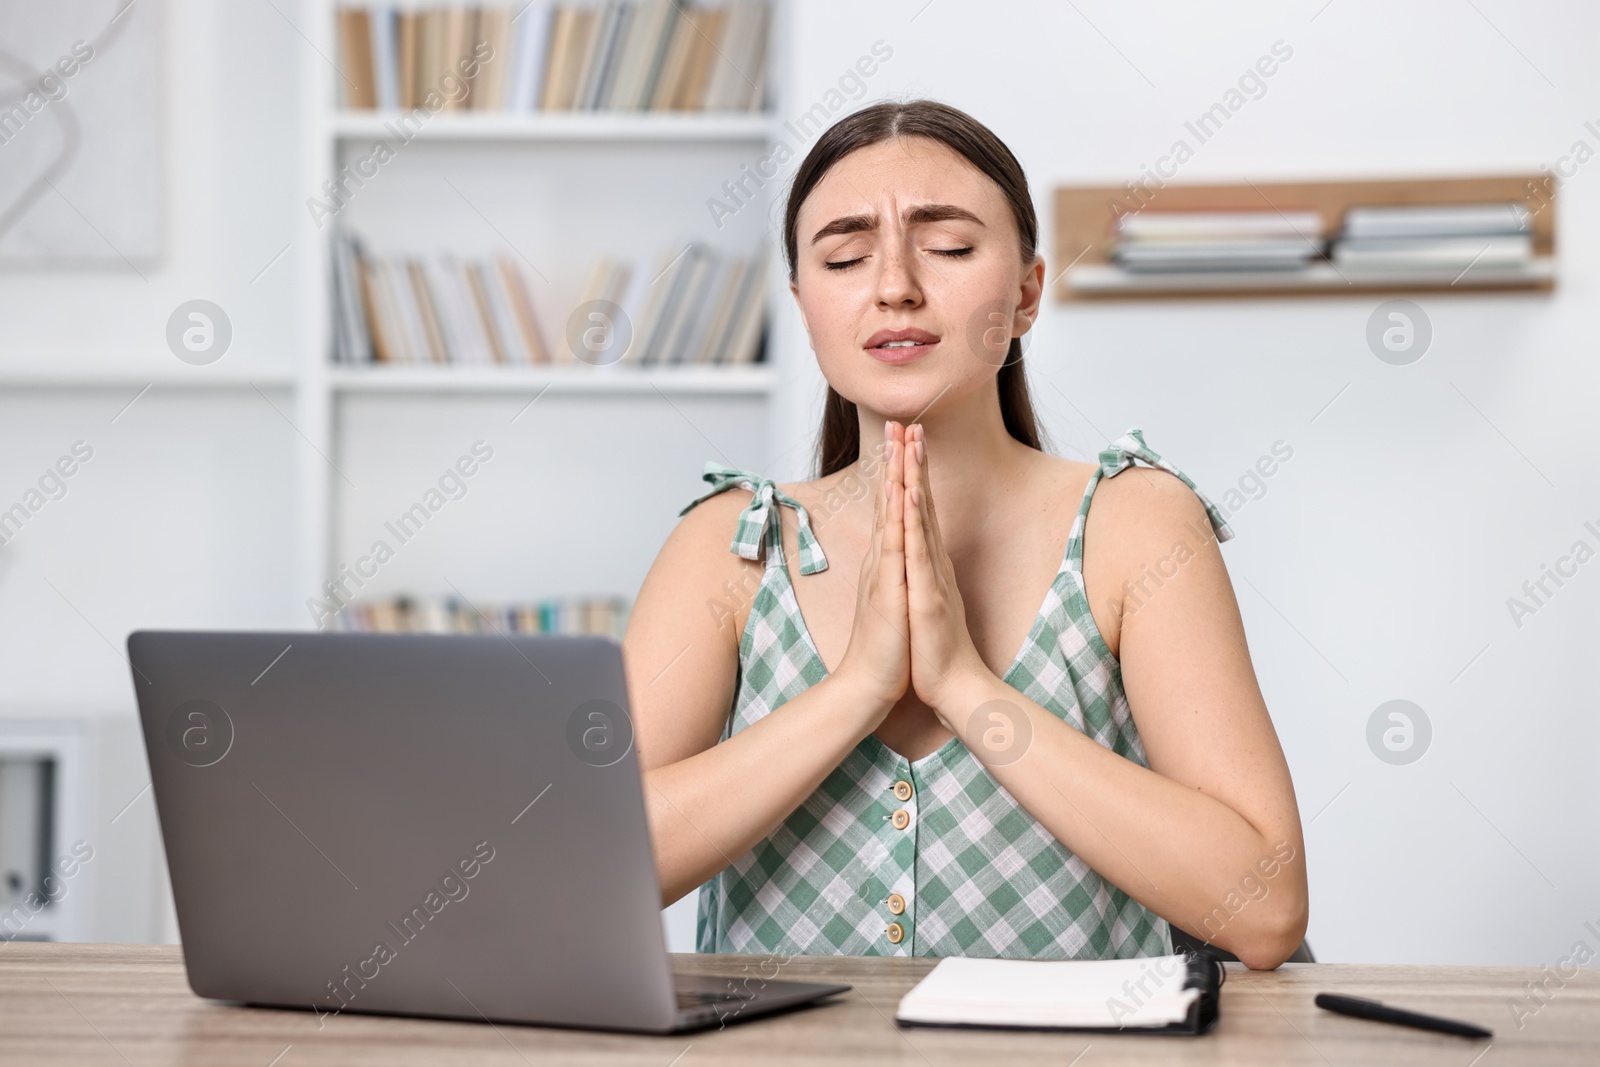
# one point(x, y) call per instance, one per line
point(1391, 540)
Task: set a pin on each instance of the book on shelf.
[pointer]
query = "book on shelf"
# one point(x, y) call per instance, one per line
point(700, 306)
point(1194, 241)
point(606, 615)
point(358, 87)
point(1436, 220)
point(603, 55)
point(1427, 237)
point(1283, 253)
point(383, 36)
point(1436, 253)
point(1217, 225)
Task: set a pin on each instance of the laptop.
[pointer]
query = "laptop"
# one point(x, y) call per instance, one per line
point(418, 824)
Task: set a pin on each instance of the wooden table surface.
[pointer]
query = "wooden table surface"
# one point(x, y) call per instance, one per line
point(130, 1005)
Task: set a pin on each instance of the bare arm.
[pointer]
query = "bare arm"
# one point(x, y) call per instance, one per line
point(708, 802)
point(1209, 835)
point(1205, 726)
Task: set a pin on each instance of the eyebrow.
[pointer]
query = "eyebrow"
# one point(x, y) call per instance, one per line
point(913, 215)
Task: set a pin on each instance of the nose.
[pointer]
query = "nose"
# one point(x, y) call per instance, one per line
point(897, 277)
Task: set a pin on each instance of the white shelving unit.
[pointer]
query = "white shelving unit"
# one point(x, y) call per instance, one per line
point(121, 377)
point(506, 144)
point(591, 184)
point(558, 126)
point(754, 380)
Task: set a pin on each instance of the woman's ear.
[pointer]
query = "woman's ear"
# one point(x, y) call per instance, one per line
point(794, 291)
point(1031, 296)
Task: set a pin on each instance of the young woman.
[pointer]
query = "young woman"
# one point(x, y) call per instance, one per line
point(861, 734)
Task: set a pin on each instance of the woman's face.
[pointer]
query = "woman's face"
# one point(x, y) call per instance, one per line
point(909, 276)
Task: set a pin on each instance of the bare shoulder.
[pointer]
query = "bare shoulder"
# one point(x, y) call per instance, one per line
point(1144, 506)
point(697, 561)
point(692, 589)
point(714, 517)
point(1144, 525)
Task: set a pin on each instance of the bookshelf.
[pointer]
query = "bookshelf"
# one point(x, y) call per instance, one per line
point(583, 172)
point(557, 126)
point(1085, 233)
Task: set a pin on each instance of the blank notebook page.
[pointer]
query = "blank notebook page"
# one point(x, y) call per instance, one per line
point(1141, 992)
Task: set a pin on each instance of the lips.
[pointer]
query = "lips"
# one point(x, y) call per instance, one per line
point(900, 346)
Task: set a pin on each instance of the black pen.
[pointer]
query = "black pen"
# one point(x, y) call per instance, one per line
point(1371, 1009)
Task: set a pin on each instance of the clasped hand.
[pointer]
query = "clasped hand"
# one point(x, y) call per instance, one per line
point(910, 625)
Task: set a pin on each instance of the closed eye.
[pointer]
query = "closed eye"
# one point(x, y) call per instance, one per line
point(845, 264)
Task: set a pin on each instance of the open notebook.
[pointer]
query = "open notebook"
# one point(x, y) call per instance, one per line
point(1155, 994)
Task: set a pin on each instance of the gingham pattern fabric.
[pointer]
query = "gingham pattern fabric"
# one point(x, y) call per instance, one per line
point(754, 519)
point(979, 876)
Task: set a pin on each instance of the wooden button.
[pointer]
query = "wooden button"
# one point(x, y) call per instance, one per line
point(897, 933)
point(901, 819)
point(902, 790)
point(897, 903)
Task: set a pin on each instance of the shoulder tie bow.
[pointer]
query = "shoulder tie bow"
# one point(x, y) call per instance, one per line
point(760, 514)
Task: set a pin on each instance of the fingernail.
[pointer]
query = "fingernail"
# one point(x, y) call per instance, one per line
point(917, 447)
point(888, 434)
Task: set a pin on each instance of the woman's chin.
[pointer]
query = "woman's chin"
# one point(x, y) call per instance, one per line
point(904, 401)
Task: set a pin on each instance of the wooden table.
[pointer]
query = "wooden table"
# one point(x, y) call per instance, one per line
point(130, 1005)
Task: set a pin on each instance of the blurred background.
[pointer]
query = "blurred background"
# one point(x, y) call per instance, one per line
point(270, 268)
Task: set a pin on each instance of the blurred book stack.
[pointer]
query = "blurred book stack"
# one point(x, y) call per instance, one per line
point(693, 306)
point(649, 55)
point(560, 615)
point(699, 306)
point(432, 309)
point(1208, 241)
point(1436, 238)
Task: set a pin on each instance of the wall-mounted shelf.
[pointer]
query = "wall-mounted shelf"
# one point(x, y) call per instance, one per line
point(1085, 234)
point(555, 126)
point(1093, 281)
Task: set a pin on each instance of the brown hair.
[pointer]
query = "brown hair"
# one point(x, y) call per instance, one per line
point(839, 441)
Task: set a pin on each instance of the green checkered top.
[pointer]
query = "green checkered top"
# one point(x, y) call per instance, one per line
point(974, 874)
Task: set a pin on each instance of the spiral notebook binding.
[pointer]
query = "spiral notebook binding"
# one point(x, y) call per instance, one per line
point(1207, 974)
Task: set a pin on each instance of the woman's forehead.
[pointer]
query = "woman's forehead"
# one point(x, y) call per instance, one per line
point(900, 173)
